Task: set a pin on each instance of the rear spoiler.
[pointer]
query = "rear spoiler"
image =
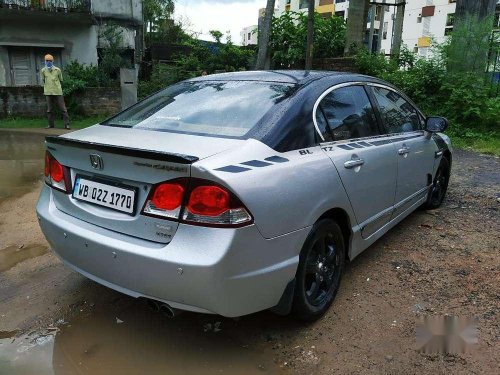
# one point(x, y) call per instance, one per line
point(120, 150)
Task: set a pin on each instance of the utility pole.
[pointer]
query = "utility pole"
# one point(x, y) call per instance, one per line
point(310, 35)
point(381, 29)
point(356, 24)
point(264, 35)
point(398, 29)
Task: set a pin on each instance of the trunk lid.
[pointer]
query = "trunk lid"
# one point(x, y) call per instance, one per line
point(128, 158)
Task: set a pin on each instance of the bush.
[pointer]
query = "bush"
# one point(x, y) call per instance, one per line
point(289, 34)
point(465, 98)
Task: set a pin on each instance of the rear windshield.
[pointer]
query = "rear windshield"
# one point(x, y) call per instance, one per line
point(228, 108)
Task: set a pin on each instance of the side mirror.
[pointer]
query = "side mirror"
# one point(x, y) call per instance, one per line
point(435, 124)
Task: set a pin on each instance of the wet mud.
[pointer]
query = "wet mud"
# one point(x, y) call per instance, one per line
point(132, 339)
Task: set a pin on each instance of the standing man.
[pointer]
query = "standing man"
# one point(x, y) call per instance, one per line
point(52, 77)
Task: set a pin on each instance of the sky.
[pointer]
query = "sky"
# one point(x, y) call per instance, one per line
point(201, 16)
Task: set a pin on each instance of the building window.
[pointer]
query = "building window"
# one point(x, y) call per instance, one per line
point(384, 30)
point(419, 18)
point(340, 14)
point(303, 4)
point(249, 36)
point(26, 63)
point(340, 1)
point(450, 19)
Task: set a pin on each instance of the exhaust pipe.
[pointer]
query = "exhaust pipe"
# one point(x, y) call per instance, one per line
point(169, 311)
point(153, 305)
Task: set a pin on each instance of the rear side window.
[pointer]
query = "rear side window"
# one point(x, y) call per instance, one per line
point(216, 108)
point(348, 114)
point(398, 115)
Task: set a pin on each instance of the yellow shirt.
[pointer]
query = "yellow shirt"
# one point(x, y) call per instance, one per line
point(51, 79)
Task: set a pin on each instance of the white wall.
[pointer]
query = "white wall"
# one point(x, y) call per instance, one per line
point(125, 9)
point(245, 41)
point(433, 26)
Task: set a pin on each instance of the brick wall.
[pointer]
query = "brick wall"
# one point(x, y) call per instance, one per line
point(29, 101)
point(339, 64)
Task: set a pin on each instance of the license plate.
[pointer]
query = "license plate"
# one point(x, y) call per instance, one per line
point(110, 196)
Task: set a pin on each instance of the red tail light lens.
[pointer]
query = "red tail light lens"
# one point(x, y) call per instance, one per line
point(56, 175)
point(165, 200)
point(168, 196)
point(210, 204)
point(208, 201)
point(56, 171)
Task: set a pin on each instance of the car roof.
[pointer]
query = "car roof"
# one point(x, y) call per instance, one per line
point(300, 77)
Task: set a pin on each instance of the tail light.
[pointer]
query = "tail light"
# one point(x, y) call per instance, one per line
point(165, 200)
point(56, 175)
point(198, 202)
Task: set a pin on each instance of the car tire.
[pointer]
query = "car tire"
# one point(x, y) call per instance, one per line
point(439, 186)
point(321, 263)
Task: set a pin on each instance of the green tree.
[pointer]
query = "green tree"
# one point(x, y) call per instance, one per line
point(289, 35)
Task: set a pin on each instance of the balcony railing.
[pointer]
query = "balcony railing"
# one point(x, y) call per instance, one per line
point(64, 6)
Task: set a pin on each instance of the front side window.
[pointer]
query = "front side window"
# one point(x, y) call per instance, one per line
point(214, 108)
point(347, 114)
point(398, 115)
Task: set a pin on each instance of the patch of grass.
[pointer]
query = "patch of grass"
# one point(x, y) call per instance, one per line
point(486, 143)
point(25, 123)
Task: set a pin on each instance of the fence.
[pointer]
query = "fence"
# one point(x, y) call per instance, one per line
point(29, 101)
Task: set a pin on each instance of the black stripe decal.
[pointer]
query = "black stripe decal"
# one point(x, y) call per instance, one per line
point(355, 145)
point(364, 144)
point(345, 147)
point(381, 142)
point(276, 159)
point(233, 169)
point(256, 163)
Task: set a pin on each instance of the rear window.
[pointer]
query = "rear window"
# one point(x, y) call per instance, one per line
point(217, 108)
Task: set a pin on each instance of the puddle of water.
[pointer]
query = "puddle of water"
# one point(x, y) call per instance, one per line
point(21, 162)
point(136, 340)
point(12, 255)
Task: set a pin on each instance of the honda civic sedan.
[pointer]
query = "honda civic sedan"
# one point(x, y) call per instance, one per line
point(239, 192)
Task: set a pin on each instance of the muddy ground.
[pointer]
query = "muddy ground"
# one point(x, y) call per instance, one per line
point(54, 321)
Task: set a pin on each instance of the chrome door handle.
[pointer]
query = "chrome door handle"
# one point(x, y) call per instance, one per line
point(354, 163)
point(404, 151)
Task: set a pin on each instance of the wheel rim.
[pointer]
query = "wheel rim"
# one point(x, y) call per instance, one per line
point(439, 186)
point(322, 269)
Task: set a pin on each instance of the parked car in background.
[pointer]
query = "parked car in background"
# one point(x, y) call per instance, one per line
point(239, 192)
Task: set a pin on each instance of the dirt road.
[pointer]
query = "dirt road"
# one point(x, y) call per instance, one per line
point(447, 261)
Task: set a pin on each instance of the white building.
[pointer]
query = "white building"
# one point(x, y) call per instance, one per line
point(249, 35)
point(424, 20)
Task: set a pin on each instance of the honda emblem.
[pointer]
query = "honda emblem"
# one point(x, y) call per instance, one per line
point(96, 161)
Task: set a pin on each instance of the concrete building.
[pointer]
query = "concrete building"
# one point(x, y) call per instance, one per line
point(323, 7)
point(249, 35)
point(424, 20)
point(67, 29)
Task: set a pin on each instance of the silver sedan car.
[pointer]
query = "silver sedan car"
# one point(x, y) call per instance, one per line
point(239, 192)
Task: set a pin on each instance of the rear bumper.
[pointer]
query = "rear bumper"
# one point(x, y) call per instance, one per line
point(231, 272)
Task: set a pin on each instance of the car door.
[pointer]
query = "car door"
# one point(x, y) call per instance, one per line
point(415, 150)
point(365, 161)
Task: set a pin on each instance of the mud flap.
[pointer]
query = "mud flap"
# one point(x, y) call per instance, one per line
point(284, 306)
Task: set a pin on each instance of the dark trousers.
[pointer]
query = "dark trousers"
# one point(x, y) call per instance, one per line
point(52, 101)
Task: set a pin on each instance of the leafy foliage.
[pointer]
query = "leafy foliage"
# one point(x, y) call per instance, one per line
point(220, 57)
point(289, 34)
point(443, 84)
